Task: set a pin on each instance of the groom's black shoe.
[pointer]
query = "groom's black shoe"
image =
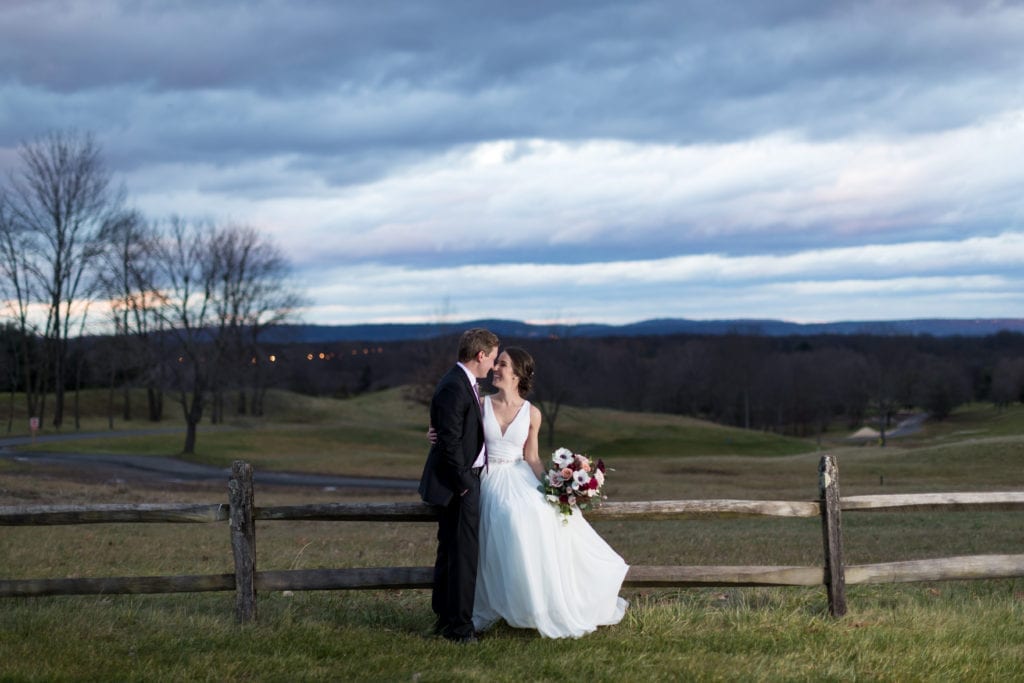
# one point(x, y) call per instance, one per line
point(463, 638)
point(436, 629)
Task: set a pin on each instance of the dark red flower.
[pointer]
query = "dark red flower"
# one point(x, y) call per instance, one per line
point(592, 484)
point(600, 464)
point(563, 499)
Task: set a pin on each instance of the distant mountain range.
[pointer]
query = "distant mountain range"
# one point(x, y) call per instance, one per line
point(938, 327)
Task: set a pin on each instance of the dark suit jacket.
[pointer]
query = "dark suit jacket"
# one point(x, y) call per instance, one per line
point(455, 414)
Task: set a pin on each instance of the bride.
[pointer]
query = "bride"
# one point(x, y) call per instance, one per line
point(535, 570)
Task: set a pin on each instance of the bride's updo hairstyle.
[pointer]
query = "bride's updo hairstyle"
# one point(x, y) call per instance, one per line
point(522, 367)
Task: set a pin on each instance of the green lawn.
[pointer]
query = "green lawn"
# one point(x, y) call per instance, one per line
point(927, 631)
point(904, 634)
point(382, 434)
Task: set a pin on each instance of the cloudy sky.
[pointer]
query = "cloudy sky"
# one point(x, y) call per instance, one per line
point(578, 161)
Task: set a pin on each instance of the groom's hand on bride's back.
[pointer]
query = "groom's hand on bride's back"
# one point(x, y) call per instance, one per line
point(432, 438)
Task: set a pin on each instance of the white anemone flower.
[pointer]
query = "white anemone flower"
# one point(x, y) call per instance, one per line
point(563, 457)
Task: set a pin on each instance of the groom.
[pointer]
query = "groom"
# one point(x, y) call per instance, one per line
point(451, 481)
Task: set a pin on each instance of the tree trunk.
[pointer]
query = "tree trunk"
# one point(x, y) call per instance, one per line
point(30, 394)
point(217, 407)
point(10, 411)
point(193, 414)
point(550, 417)
point(190, 437)
point(110, 398)
point(155, 403)
point(258, 395)
point(58, 387)
point(41, 405)
point(127, 396)
point(78, 394)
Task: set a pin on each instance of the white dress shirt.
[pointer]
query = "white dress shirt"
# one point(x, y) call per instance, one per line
point(481, 458)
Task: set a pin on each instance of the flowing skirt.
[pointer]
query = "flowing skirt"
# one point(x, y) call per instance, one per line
point(537, 572)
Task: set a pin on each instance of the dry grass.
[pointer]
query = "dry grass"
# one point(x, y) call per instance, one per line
point(948, 631)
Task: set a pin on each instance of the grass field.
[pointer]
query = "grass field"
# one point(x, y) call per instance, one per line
point(927, 631)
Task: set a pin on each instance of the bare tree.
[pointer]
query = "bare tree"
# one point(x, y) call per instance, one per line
point(557, 372)
point(253, 295)
point(187, 278)
point(433, 356)
point(737, 360)
point(78, 361)
point(127, 280)
point(221, 289)
point(16, 288)
point(882, 383)
point(59, 200)
point(1007, 382)
point(943, 386)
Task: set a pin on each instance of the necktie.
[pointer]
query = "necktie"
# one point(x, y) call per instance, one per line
point(479, 402)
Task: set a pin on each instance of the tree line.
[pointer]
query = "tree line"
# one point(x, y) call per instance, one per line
point(98, 295)
point(182, 304)
point(799, 386)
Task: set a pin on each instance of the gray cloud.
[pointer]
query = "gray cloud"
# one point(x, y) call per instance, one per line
point(444, 133)
point(645, 71)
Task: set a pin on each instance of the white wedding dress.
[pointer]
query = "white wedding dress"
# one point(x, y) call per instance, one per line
point(535, 571)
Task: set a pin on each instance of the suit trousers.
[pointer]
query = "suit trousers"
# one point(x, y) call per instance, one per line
point(458, 546)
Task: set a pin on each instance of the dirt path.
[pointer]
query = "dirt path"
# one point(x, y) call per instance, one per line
point(156, 470)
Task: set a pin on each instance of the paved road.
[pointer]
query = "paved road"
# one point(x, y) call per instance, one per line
point(78, 436)
point(157, 469)
point(911, 425)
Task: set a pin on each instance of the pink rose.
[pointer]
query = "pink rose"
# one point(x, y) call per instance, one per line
point(567, 473)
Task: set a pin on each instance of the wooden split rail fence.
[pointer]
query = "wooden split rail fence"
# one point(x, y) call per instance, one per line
point(246, 581)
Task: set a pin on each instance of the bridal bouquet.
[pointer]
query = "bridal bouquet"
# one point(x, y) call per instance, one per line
point(572, 480)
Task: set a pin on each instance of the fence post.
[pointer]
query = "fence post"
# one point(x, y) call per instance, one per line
point(832, 535)
point(243, 540)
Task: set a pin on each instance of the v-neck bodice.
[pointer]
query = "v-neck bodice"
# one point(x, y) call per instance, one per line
point(507, 446)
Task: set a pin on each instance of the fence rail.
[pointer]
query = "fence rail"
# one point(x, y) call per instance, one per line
point(42, 515)
point(242, 514)
point(47, 515)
